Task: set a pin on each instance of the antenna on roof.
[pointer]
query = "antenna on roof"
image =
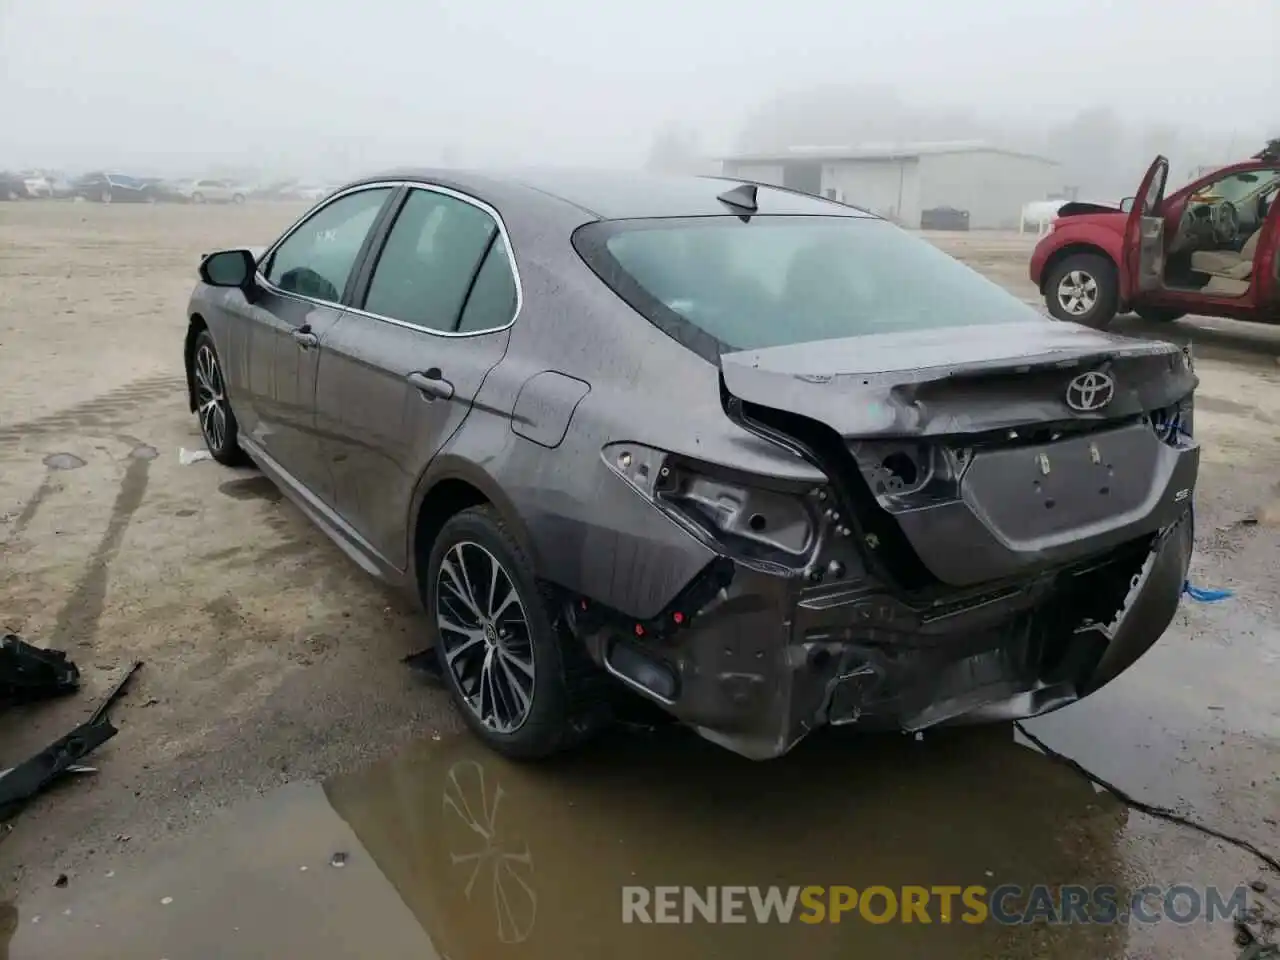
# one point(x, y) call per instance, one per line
point(741, 198)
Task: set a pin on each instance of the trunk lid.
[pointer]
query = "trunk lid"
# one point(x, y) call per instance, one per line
point(958, 380)
point(990, 452)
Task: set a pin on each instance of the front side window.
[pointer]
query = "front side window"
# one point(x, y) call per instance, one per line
point(316, 259)
point(429, 261)
point(775, 281)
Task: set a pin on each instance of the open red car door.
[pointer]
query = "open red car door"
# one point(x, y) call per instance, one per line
point(1266, 268)
point(1144, 232)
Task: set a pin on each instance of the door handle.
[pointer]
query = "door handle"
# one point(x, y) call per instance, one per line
point(304, 338)
point(432, 384)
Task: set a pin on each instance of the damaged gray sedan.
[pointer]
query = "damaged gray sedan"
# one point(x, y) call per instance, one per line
point(764, 459)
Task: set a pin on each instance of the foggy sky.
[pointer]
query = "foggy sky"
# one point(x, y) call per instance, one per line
point(319, 84)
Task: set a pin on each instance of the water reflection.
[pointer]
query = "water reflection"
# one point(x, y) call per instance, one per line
point(532, 860)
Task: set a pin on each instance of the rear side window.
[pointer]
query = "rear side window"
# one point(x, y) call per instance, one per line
point(492, 302)
point(429, 260)
point(316, 259)
point(718, 284)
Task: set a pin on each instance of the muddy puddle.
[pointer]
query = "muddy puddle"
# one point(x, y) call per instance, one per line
point(449, 851)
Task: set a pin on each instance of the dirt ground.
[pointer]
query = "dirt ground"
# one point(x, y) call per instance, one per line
point(270, 658)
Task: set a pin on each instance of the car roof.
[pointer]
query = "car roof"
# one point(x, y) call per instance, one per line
point(623, 195)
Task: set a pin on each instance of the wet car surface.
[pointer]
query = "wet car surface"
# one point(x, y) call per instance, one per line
point(908, 504)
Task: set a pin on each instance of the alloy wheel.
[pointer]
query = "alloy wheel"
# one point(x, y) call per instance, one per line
point(485, 636)
point(211, 397)
point(1077, 293)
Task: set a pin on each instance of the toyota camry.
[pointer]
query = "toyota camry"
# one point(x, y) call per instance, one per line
point(766, 460)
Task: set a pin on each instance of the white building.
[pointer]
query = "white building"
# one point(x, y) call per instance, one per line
point(900, 181)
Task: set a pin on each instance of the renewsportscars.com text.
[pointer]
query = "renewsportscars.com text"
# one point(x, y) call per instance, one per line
point(975, 904)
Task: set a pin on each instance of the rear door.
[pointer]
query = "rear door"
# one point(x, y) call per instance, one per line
point(1144, 233)
point(398, 375)
point(304, 278)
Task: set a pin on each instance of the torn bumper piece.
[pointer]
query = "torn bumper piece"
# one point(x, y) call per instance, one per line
point(773, 660)
point(18, 785)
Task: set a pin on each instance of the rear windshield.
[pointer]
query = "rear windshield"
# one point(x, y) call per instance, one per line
point(718, 284)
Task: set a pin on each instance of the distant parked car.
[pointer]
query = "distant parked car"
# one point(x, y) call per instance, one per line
point(944, 218)
point(211, 191)
point(114, 188)
point(280, 190)
point(63, 187)
point(11, 186)
point(313, 192)
point(1209, 248)
point(37, 185)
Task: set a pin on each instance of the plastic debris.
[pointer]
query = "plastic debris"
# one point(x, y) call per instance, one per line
point(32, 673)
point(20, 783)
point(187, 457)
point(1205, 594)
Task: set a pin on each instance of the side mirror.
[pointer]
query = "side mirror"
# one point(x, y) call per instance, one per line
point(229, 268)
point(1127, 203)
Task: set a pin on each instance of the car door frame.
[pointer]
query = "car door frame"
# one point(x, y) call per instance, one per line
point(372, 236)
point(1143, 250)
point(356, 296)
point(358, 290)
point(1266, 266)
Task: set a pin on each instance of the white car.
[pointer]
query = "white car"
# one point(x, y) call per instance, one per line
point(313, 192)
point(37, 185)
point(212, 191)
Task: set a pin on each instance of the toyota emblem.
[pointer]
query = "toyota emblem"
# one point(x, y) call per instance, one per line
point(1090, 391)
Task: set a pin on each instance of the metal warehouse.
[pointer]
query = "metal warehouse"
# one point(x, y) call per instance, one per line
point(904, 181)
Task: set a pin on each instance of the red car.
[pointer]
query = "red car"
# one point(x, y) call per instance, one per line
point(1210, 248)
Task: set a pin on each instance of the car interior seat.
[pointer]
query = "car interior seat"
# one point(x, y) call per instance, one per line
point(1229, 271)
point(1228, 263)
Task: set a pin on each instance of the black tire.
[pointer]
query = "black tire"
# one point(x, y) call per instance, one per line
point(197, 197)
point(1092, 272)
point(238, 198)
point(1159, 314)
point(105, 196)
point(223, 444)
point(563, 702)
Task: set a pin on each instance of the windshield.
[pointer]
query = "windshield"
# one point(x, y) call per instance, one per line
point(781, 280)
point(1240, 186)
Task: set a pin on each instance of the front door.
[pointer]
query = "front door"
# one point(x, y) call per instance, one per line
point(1144, 233)
point(398, 375)
point(303, 280)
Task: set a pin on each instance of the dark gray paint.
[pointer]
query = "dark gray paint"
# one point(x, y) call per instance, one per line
point(794, 641)
point(545, 406)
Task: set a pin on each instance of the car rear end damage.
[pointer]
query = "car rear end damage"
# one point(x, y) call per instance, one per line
point(989, 544)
